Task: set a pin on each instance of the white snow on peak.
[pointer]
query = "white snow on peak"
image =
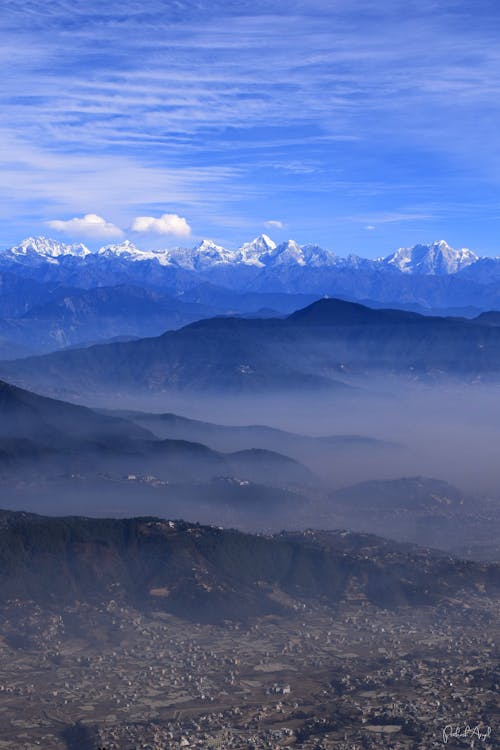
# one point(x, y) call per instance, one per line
point(316, 256)
point(207, 253)
point(261, 252)
point(209, 246)
point(265, 242)
point(436, 259)
point(127, 250)
point(288, 252)
point(42, 247)
point(123, 248)
point(211, 252)
point(253, 253)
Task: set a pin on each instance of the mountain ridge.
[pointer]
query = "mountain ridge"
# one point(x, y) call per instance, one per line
point(55, 295)
point(209, 574)
point(32, 426)
point(330, 344)
point(437, 258)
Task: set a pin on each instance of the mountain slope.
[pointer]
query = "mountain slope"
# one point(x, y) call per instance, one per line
point(103, 313)
point(326, 345)
point(41, 437)
point(12, 349)
point(413, 493)
point(207, 574)
point(28, 416)
point(235, 354)
point(419, 510)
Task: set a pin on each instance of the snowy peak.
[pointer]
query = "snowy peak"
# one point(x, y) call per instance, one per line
point(208, 247)
point(289, 253)
point(207, 253)
point(127, 251)
point(292, 254)
point(436, 259)
point(262, 244)
point(254, 252)
point(316, 256)
point(125, 248)
point(34, 248)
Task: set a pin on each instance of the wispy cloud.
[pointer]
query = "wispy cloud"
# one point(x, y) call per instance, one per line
point(390, 218)
point(117, 182)
point(217, 108)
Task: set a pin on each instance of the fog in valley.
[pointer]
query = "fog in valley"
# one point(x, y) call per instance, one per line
point(445, 430)
point(403, 459)
point(249, 375)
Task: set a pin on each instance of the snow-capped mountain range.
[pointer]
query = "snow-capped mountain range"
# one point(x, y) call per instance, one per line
point(54, 294)
point(437, 259)
point(36, 249)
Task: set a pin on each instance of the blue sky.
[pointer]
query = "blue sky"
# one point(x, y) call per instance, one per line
point(359, 125)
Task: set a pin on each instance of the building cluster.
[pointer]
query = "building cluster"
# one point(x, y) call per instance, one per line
point(354, 679)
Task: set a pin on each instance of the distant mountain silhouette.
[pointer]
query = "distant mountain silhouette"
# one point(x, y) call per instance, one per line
point(433, 275)
point(27, 415)
point(72, 317)
point(409, 493)
point(490, 318)
point(420, 510)
point(226, 437)
point(54, 295)
point(46, 436)
point(331, 312)
point(329, 344)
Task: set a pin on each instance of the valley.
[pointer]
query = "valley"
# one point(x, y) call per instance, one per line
point(239, 516)
point(249, 375)
point(305, 666)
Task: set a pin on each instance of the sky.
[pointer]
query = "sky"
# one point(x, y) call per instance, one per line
point(360, 126)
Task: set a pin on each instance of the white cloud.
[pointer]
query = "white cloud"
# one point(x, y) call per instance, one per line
point(274, 224)
point(90, 225)
point(370, 227)
point(165, 224)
